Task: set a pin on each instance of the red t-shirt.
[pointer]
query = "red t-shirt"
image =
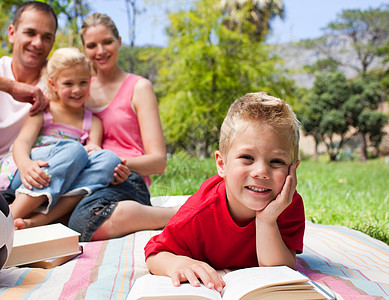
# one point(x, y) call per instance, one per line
point(204, 230)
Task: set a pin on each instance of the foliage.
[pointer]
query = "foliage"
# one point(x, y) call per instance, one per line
point(259, 13)
point(366, 30)
point(142, 61)
point(352, 194)
point(322, 117)
point(335, 106)
point(205, 67)
point(4, 23)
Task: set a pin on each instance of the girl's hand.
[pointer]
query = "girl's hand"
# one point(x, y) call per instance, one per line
point(283, 199)
point(90, 148)
point(31, 174)
point(121, 173)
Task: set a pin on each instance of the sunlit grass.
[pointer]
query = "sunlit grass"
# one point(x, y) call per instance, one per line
point(354, 194)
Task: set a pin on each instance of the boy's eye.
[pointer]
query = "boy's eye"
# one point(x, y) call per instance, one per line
point(246, 157)
point(277, 161)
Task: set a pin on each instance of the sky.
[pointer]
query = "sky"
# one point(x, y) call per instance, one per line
point(303, 18)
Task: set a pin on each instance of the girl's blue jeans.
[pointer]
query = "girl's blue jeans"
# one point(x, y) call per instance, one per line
point(72, 171)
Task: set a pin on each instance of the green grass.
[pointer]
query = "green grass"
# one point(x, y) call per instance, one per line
point(354, 194)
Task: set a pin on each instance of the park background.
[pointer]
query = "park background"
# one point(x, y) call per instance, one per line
point(202, 55)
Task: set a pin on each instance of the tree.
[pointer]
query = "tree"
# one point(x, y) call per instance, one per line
point(323, 118)
point(360, 111)
point(259, 13)
point(144, 60)
point(335, 108)
point(367, 31)
point(205, 67)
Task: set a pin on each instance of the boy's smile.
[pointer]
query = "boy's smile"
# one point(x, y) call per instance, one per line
point(254, 169)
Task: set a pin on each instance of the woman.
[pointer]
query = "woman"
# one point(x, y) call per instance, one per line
point(128, 108)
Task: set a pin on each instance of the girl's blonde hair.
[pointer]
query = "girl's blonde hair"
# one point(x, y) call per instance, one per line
point(60, 60)
point(260, 108)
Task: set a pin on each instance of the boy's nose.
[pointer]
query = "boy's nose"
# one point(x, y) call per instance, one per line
point(260, 171)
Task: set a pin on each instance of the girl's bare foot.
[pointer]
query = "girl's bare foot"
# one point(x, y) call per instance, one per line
point(19, 223)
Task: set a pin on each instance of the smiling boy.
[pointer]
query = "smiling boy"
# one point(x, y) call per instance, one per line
point(250, 213)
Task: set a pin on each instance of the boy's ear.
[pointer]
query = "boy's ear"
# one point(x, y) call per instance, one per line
point(220, 165)
point(298, 163)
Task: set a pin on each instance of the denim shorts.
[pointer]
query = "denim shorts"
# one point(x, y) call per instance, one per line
point(94, 209)
point(72, 171)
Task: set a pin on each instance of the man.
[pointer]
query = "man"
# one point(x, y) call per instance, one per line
point(32, 35)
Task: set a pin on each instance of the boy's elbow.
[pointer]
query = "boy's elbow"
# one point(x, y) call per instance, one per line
point(151, 263)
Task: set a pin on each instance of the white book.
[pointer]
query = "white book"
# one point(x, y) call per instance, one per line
point(42, 243)
point(251, 283)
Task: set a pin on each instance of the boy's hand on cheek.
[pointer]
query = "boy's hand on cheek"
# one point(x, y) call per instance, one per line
point(283, 199)
point(195, 272)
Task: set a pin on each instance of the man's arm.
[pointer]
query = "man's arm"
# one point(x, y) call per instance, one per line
point(23, 92)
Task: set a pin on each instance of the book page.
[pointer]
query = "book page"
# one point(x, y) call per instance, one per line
point(242, 281)
point(161, 287)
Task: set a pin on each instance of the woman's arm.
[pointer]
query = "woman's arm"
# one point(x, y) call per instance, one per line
point(30, 171)
point(146, 107)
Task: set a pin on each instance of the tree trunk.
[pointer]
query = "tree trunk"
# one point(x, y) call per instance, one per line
point(316, 149)
point(363, 146)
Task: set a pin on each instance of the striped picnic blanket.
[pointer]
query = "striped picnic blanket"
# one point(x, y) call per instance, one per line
point(349, 264)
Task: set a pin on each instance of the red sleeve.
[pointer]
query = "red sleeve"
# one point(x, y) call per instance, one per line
point(168, 241)
point(292, 224)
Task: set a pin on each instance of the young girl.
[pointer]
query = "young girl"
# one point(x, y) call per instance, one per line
point(56, 138)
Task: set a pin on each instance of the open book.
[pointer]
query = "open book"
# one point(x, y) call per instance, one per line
point(246, 284)
point(55, 243)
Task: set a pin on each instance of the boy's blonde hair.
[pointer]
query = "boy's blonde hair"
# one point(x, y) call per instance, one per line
point(62, 59)
point(260, 108)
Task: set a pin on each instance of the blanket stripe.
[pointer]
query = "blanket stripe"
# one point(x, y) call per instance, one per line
point(347, 263)
point(352, 264)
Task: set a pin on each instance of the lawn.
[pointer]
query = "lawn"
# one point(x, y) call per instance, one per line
point(354, 194)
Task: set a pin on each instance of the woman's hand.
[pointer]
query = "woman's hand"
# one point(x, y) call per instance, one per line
point(121, 173)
